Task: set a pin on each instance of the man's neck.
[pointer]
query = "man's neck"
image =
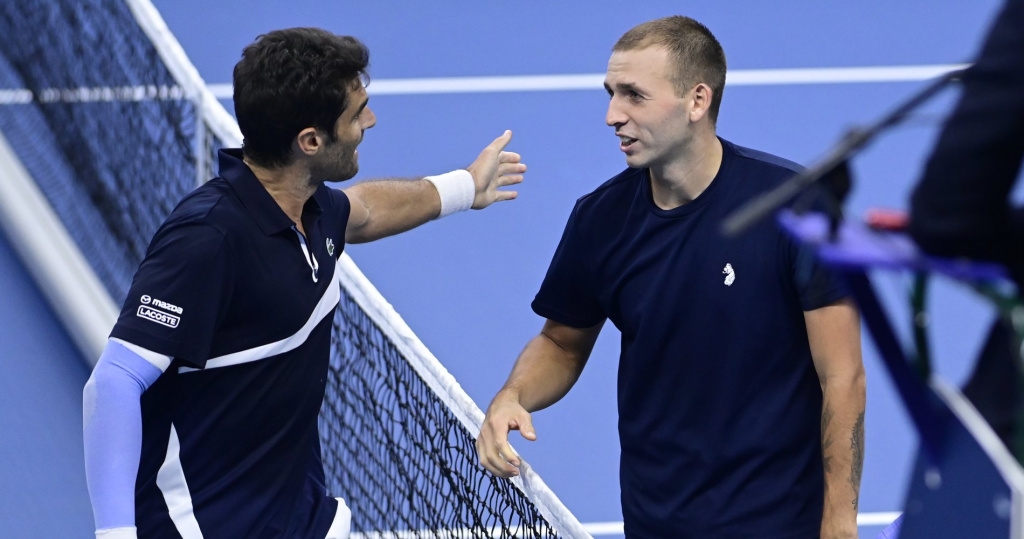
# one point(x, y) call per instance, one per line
point(290, 187)
point(683, 179)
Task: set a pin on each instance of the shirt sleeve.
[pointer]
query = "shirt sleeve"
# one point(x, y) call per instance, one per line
point(179, 294)
point(568, 294)
point(816, 284)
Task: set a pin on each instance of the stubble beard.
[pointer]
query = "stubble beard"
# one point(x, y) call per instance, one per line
point(339, 165)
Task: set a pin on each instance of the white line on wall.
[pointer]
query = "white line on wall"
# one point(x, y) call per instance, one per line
point(517, 83)
point(598, 529)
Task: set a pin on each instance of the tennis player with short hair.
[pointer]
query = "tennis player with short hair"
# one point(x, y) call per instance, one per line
point(741, 388)
point(201, 414)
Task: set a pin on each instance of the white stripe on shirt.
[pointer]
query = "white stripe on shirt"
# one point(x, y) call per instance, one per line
point(171, 482)
point(325, 307)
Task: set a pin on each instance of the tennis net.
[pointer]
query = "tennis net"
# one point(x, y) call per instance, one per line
point(104, 126)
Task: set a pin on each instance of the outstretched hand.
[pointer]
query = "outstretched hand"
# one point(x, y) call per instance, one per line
point(496, 168)
point(503, 416)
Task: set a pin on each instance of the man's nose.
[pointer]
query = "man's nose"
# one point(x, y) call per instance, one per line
point(614, 117)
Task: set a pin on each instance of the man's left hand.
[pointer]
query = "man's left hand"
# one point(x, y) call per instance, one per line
point(495, 168)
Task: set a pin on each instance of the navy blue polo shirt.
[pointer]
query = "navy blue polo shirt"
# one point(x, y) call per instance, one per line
point(244, 304)
point(719, 403)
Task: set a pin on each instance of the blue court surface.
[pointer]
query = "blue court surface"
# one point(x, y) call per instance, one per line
point(464, 284)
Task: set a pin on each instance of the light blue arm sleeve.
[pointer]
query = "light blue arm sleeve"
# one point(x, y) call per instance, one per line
point(113, 432)
point(893, 530)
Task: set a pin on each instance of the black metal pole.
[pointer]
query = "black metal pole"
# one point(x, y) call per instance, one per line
point(852, 141)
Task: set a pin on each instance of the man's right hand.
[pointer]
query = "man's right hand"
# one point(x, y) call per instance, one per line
point(505, 414)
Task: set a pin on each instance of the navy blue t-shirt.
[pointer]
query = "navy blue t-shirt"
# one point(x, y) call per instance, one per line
point(719, 403)
point(244, 304)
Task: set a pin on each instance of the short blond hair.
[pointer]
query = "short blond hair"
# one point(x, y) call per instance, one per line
point(697, 55)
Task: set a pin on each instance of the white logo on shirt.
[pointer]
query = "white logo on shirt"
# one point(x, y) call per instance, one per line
point(150, 310)
point(158, 316)
point(730, 274)
point(330, 246)
point(146, 300)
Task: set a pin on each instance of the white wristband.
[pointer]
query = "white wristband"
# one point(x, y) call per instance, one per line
point(127, 532)
point(457, 190)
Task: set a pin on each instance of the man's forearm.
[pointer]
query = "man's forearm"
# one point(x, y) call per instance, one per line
point(542, 375)
point(544, 372)
point(842, 449)
point(112, 431)
point(394, 206)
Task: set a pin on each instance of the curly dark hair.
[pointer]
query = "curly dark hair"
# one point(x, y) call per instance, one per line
point(288, 80)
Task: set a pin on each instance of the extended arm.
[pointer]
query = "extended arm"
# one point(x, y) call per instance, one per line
point(544, 372)
point(113, 434)
point(833, 332)
point(387, 207)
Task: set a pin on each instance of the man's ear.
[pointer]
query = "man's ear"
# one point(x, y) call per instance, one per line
point(701, 96)
point(309, 141)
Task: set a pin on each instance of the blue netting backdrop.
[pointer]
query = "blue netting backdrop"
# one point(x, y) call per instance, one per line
point(110, 139)
point(111, 169)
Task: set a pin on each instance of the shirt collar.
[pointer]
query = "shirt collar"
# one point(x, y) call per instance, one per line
point(257, 201)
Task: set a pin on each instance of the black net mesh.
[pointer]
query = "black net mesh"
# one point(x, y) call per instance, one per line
point(415, 464)
point(113, 142)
